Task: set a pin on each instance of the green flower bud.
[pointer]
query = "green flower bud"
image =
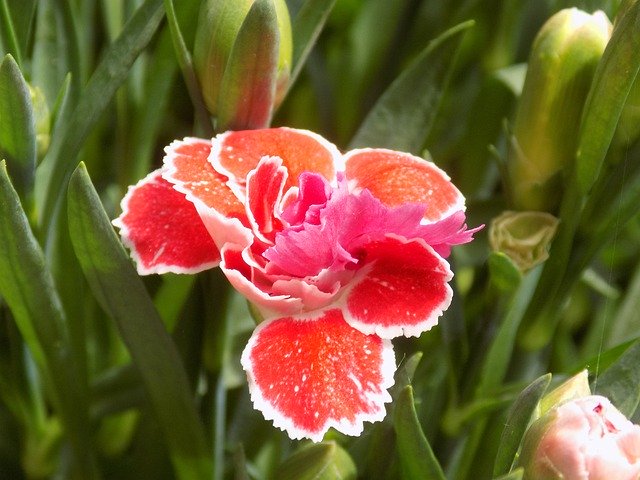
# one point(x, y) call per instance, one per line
point(523, 236)
point(561, 67)
point(318, 461)
point(42, 119)
point(219, 24)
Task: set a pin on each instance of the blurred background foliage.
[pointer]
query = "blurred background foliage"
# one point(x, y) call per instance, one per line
point(103, 375)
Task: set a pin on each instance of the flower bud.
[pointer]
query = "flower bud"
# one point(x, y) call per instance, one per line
point(42, 119)
point(582, 439)
point(523, 236)
point(217, 32)
point(561, 66)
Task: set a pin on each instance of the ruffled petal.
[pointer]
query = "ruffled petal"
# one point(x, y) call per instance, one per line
point(187, 167)
point(401, 288)
point(264, 191)
point(310, 374)
point(163, 230)
point(396, 178)
point(247, 278)
point(235, 154)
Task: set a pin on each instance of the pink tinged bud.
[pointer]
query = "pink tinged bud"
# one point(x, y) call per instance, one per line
point(582, 439)
point(242, 56)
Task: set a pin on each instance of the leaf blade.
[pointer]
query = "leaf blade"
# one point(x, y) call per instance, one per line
point(108, 76)
point(612, 82)
point(517, 422)
point(416, 456)
point(403, 116)
point(17, 128)
point(118, 288)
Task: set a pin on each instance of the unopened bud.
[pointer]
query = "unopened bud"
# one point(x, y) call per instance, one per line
point(219, 24)
point(561, 67)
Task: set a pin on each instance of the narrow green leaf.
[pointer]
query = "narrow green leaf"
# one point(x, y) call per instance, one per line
point(306, 28)
point(8, 32)
point(248, 88)
point(22, 14)
point(517, 474)
point(404, 373)
point(28, 288)
point(160, 77)
point(404, 114)
point(17, 129)
point(517, 421)
point(186, 66)
point(108, 76)
point(50, 58)
point(621, 381)
point(498, 357)
point(416, 456)
point(613, 80)
point(122, 294)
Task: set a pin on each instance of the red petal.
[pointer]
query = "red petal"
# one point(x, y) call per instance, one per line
point(311, 374)
point(402, 289)
point(188, 168)
point(264, 191)
point(163, 229)
point(396, 178)
point(237, 153)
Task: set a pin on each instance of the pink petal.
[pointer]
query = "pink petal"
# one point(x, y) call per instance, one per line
point(251, 282)
point(396, 178)
point(235, 154)
point(163, 230)
point(264, 191)
point(310, 374)
point(402, 288)
point(187, 167)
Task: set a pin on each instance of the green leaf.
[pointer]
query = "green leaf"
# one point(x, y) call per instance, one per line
point(517, 474)
point(8, 34)
point(498, 357)
point(318, 461)
point(517, 421)
point(306, 28)
point(621, 381)
point(108, 76)
point(160, 77)
point(28, 288)
point(247, 91)
point(613, 80)
point(187, 68)
point(122, 294)
point(416, 456)
point(405, 113)
point(17, 129)
point(404, 373)
point(50, 60)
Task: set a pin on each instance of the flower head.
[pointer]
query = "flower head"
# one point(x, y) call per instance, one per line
point(583, 439)
point(338, 253)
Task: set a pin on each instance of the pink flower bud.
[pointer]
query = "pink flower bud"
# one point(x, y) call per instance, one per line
point(582, 439)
